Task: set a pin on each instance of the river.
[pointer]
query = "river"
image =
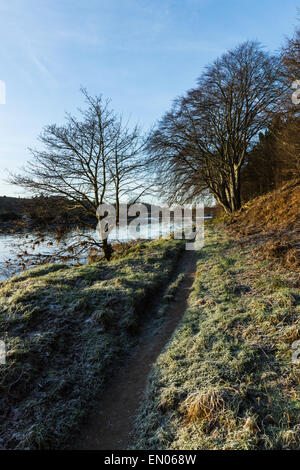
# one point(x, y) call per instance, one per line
point(10, 242)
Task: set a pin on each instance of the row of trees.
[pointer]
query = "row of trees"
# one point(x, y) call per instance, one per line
point(235, 135)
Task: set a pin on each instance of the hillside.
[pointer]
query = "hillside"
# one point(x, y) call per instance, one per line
point(275, 211)
point(272, 222)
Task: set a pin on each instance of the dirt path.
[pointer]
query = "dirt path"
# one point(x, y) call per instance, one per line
point(109, 427)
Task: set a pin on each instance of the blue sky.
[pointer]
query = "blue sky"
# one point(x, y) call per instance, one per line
point(139, 53)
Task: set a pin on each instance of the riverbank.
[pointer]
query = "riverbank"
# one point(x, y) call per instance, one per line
point(227, 379)
point(67, 329)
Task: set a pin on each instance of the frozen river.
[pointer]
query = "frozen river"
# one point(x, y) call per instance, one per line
point(10, 242)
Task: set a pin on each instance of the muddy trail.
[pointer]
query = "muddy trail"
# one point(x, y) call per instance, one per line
point(109, 426)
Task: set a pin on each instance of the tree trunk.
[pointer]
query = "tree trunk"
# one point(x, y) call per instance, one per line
point(106, 247)
point(117, 208)
point(235, 189)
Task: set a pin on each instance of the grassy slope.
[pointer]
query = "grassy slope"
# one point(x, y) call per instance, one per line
point(276, 211)
point(226, 380)
point(272, 222)
point(65, 330)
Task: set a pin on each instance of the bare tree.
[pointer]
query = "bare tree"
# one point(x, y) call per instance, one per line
point(78, 159)
point(126, 167)
point(201, 144)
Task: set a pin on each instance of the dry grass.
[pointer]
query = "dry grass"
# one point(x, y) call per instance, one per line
point(283, 249)
point(273, 222)
point(277, 211)
point(205, 405)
